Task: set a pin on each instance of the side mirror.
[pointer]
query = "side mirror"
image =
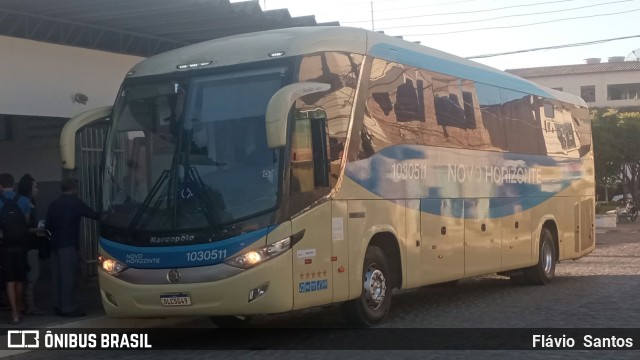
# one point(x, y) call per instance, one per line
point(279, 106)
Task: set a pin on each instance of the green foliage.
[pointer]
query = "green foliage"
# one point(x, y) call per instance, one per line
point(616, 140)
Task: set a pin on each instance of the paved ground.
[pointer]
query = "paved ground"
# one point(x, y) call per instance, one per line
point(598, 291)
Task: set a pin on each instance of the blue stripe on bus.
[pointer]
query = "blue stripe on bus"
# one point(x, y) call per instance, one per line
point(457, 69)
point(480, 208)
point(464, 183)
point(164, 257)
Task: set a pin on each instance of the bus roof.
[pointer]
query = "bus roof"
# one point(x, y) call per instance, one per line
point(251, 47)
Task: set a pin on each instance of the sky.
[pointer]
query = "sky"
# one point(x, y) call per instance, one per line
point(460, 27)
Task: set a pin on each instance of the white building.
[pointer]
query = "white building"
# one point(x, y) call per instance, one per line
point(611, 84)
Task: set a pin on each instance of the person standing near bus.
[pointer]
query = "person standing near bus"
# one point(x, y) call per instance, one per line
point(28, 187)
point(14, 224)
point(63, 221)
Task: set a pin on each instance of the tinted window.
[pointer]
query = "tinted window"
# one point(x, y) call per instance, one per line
point(394, 108)
point(560, 132)
point(414, 106)
point(582, 127)
point(490, 104)
point(453, 107)
point(512, 120)
point(320, 127)
point(522, 122)
point(341, 70)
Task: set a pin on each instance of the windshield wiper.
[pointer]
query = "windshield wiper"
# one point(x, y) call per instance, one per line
point(152, 194)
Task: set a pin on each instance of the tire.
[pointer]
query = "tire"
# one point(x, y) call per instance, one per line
point(231, 321)
point(372, 307)
point(543, 272)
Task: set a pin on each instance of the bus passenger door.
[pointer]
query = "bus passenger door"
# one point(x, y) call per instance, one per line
point(312, 266)
point(310, 208)
point(442, 232)
point(482, 239)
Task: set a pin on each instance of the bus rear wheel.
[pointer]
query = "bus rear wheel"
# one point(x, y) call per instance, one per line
point(543, 272)
point(372, 307)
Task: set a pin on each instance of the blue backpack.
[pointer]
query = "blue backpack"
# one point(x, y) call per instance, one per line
point(13, 223)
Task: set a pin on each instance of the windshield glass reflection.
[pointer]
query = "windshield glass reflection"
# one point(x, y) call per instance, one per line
point(192, 154)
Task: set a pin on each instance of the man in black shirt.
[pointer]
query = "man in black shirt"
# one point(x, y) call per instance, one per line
point(63, 221)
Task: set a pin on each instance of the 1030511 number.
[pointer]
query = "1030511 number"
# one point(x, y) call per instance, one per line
point(206, 255)
point(409, 171)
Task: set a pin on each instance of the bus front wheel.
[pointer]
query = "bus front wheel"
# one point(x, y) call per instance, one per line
point(543, 272)
point(372, 307)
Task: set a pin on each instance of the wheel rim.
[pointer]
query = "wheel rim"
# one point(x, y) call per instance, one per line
point(547, 257)
point(375, 287)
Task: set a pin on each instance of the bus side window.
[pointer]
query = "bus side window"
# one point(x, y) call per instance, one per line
point(449, 112)
point(409, 104)
point(521, 123)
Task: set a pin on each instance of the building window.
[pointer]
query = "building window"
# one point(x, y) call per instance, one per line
point(623, 91)
point(588, 93)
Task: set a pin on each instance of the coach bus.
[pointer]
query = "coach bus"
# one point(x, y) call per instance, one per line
point(287, 169)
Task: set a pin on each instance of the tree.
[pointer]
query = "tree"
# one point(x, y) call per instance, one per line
point(616, 143)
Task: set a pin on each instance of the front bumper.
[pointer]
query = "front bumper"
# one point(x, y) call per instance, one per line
point(228, 296)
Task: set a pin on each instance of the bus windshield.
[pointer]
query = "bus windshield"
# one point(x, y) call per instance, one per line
point(191, 153)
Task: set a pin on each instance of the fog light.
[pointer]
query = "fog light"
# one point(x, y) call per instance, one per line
point(111, 299)
point(258, 292)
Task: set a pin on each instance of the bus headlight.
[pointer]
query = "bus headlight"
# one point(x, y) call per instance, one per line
point(257, 256)
point(111, 266)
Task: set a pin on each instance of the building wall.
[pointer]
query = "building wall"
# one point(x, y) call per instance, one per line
point(34, 148)
point(40, 79)
point(37, 84)
point(572, 83)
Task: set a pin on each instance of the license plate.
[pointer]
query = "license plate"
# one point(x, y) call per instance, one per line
point(175, 300)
